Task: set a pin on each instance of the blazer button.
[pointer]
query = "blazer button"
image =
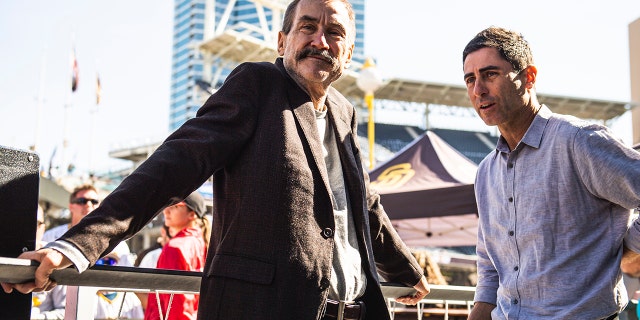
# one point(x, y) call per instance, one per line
point(324, 284)
point(327, 233)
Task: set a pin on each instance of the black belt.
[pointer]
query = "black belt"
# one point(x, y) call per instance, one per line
point(352, 310)
point(611, 317)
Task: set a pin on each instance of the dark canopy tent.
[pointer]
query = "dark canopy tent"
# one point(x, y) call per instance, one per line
point(427, 191)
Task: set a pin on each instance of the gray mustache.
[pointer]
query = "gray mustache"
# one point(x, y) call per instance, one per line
point(309, 51)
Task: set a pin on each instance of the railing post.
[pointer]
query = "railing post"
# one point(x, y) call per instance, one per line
point(18, 206)
point(80, 303)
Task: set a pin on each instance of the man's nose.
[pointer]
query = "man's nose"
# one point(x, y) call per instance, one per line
point(320, 40)
point(479, 88)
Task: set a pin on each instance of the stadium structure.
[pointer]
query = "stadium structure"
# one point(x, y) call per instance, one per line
point(211, 37)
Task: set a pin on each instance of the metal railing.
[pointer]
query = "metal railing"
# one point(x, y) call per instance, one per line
point(131, 279)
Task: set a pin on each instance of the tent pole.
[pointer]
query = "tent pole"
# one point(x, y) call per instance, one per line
point(427, 125)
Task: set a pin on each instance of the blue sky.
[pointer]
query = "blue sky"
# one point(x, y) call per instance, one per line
point(580, 48)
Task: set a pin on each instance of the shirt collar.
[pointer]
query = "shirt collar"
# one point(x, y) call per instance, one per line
point(533, 136)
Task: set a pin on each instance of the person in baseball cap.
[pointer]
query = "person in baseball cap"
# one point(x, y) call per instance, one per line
point(195, 202)
point(185, 250)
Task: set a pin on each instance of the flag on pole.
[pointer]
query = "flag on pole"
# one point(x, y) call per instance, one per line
point(98, 89)
point(74, 71)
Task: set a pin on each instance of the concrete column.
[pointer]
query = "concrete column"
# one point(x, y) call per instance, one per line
point(634, 68)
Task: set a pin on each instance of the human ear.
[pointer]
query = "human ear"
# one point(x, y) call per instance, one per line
point(349, 53)
point(531, 72)
point(281, 40)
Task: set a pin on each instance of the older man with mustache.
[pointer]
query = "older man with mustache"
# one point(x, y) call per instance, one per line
point(297, 233)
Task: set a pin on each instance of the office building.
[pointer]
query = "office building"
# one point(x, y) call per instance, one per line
point(196, 21)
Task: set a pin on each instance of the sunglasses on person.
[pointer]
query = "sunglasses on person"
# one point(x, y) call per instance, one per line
point(84, 201)
point(107, 261)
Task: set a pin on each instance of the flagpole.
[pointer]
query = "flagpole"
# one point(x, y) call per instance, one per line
point(65, 137)
point(92, 137)
point(93, 112)
point(68, 105)
point(43, 69)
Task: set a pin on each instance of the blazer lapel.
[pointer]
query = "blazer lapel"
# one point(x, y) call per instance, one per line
point(342, 123)
point(306, 118)
point(349, 156)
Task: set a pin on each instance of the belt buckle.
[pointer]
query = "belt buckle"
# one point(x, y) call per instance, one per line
point(363, 310)
point(341, 305)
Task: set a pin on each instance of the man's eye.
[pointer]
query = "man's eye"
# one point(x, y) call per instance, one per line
point(469, 80)
point(335, 33)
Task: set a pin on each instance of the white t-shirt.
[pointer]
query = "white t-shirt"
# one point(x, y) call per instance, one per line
point(110, 309)
point(150, 260)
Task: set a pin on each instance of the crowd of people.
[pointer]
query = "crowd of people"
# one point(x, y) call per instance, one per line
point(109, 305)
point(185, 237)
point(298, 233)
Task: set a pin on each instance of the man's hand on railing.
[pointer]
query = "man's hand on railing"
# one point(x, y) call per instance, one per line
point(481, 311)
point(422, 290)
point(50, 260)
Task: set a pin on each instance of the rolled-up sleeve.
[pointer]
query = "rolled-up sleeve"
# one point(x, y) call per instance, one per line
point(487, 286)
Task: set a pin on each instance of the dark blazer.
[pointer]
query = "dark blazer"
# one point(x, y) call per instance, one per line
point(271, 251)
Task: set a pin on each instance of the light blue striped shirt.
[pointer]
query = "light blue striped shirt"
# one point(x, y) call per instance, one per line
point(553, 216)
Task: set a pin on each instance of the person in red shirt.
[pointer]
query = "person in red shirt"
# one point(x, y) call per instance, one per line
point(186, 250)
